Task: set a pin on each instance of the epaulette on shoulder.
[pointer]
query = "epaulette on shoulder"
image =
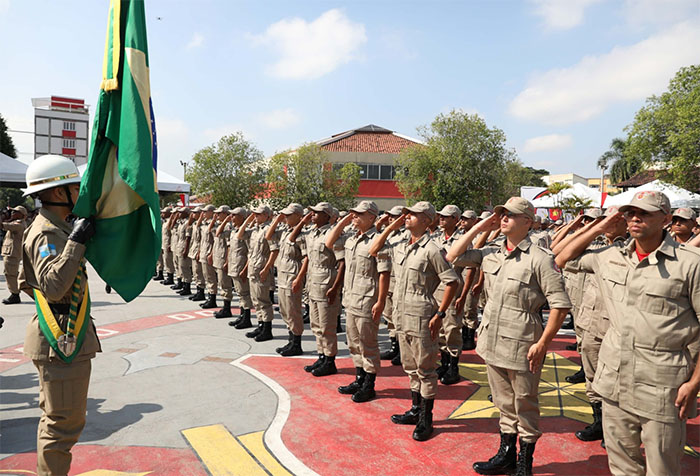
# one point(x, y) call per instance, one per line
point(690, 249)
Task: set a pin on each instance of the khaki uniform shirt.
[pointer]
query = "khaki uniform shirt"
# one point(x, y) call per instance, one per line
point(322, 270)
point(12, 243)
point(518, 285)
point(50, 264)
point(361, 280)
point(653, 308)
point(290, 257)
point(194, 241)
point(165, 233)
point(206, 241)
point(237, 253)
point(184, 231)
point(220, 246)
point(541, 239)
point(393, 239)
point(445, 244)
point(173, 237)
point(258, 250)
point(420, 268)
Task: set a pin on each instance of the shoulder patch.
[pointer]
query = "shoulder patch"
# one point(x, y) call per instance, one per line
point(47, 250)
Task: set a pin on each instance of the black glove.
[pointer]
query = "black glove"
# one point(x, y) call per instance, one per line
point(83, 230)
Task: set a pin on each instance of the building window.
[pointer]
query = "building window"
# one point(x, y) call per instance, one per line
point(68, 126)
point(386, 172)
point(372, 171)
point(69, 143)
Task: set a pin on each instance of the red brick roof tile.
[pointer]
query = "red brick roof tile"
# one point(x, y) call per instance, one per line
point(380, 143)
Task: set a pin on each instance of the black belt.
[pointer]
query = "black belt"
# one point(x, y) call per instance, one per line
point(60, 308)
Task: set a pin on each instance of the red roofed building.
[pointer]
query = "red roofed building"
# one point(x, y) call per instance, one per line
point(374, 149)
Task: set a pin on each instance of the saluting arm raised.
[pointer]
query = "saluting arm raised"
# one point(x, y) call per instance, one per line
point(580, 242)
point(465, 240)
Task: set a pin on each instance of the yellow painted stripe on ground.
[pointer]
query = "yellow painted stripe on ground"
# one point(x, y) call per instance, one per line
point(254, 443)
point(221, 453)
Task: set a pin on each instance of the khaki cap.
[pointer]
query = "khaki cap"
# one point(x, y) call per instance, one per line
point(517, 205)
point(184, 209)
point(612, 210)
point(450, 211)
point(208, 208)
point(336, 212)
point(262, 209)
point(21, 209)
point(167, 210)
point(468, 214)
point(366, 206)
point(197, 209)
point(593, 213)
point(239, 211)
point(685, 213)
point(396, 211)
point(426, 208)
point(559, 222)
point(324, 207)
point(223, 209)
point(649, 201)
point(293, 208)
point(484, 215)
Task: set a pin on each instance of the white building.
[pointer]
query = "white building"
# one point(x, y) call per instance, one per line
point(61, 127)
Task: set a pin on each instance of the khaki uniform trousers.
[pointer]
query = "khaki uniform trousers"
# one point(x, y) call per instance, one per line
point(159, 264)
point(419, 360)
point(11, 268)
point(514, 393)
point(624, 434)
point(176, 265)
point(260, 293)
point(451, 331)
point(243, 290)
point(63, 390)
point(168, 263)
point(590, 348)
point(225, 283)
point(210, 279)
point(198, 274)
point(388, 315)
point(186, 269)
point(323, 318)
point(290, 308)
point(471, 311)
point(361, 332)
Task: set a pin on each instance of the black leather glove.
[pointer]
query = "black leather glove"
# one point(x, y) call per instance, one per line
point(83, 230)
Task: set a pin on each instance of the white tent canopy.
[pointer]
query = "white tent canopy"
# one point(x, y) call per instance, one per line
point(679, 197)
point(166, 182)
point(12, 171)
point(577, 189)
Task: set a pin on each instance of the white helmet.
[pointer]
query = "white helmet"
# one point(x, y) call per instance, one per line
point(49, 171)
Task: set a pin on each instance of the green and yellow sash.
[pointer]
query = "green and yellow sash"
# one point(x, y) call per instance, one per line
point(66, 344)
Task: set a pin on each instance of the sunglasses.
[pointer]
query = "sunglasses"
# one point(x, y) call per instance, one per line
point(641, 214)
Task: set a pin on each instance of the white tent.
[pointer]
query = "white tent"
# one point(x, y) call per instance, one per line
point(679, 197)
point(580, 190)
point(12, 172)
point(166, 182)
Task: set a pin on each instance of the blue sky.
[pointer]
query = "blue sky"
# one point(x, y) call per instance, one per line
point(560, 77)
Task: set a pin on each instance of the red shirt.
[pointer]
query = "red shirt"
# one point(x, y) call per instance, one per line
point(640, 255)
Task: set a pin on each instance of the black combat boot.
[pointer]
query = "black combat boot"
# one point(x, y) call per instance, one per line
point(338, 327)
point(186, 289)
point(578, 377)
point(424, 428)
point(392, 351)
point(570, 323)
point(287, 345)
point(306, 317)
point(178, 285)
point(168, 281)
point(326, 368)
point(295, 349)
point(411, 416)
point(356, 384)
point(366, 392)
point(224, 311)
point(503, 462)
point(468, 335)
point(266, 333)
point(13, 299)
point(594, 431)
point(524, 465)
point(159, 276)
point(255, 332)
point(199, 295)
point(444, 363)
point(452, 375)
point(245, 322)
point(397, 360)
point(316, 364)
point(235, 322)
point(210, 303)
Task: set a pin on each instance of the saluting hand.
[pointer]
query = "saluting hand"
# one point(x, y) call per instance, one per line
point(307, 218)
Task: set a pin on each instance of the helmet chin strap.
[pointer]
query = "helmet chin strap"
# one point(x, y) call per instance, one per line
point(68, 204)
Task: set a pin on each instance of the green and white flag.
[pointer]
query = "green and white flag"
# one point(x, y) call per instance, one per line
point(119, 186)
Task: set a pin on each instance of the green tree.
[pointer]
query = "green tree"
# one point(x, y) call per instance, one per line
point(464, 162)
point(306, 176)
point(574, 204)
point(621, 163)
point(7, 147)
point(229, 172)
point(667, 129)
point(518, 175)
point(10, 197)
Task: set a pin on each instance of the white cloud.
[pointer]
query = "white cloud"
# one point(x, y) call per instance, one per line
point(547, 143)
point(196, 41)
point(657, 12)
point(626, 73)
point(279, 118)
point(562, 14)
point(311, 50)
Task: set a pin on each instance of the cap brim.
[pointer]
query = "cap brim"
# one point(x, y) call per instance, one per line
point(641, 206)
point(447, 215)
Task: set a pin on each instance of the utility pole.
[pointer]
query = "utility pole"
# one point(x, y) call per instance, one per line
point(184, 165)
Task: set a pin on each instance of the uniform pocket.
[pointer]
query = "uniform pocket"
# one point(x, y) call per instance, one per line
point(661, 296)
point(616, 278)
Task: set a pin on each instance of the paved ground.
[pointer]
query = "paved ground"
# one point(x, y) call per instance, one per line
point(176, 391)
